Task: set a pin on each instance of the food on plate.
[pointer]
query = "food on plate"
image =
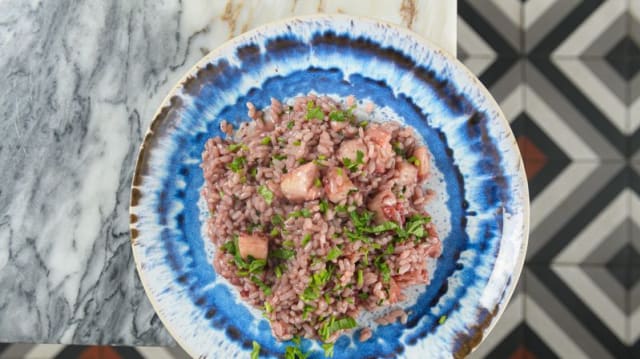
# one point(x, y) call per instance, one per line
point(318, 214)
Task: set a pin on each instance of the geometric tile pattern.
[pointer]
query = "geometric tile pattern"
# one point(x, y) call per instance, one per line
point(567, 75)
point(578, 127)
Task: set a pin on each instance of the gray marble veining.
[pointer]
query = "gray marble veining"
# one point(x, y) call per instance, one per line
point(80, 83)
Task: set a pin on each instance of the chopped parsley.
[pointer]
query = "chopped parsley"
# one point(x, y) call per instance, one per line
point(306, 310)
point(323, 206)
point(314, 111)
point(256, 350)
point(317, 182)
point(294, 351)
point(277, 220)
point(237, 164)
point(360, 278)
point(332, 325)
point(253, 172)
point(297, 143)
point(397, 148)
point(334, 253)
point(257, 265)
point(266, 141)
point(265, 288)
point(328, 349)
point(305, 213)
point(352, 165)
point(306, 239)
point(279, 269)
point(414, 160)
point(290, 124)
point(274, 232)
point(266, 194)
point(383, 267)
point(338, 116)
point(234, 147)
point(288, 243)
point(267, 307)
point(279, 157)
point(363, 296)
point(301, 161)
point(282, 253)
point(442, 319)
point(363, 124)
point(310, 293)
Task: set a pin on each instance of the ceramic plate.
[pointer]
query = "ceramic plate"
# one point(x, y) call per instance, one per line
point(481, 210)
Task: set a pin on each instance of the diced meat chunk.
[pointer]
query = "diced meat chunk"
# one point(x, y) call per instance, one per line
point(338, 126)
point(386, 207)
point(379, 137)
point(349, 149)
point(337, 184)
point(424, 161)
point(298, 185)
point(407, 174)
point(254, 245)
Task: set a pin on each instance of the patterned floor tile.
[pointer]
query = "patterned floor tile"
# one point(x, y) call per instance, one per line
point(572, 315)
point(573, 28)
point(490, 27)
point(563, 90)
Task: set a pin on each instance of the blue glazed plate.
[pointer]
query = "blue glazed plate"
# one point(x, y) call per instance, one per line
point(481, 209)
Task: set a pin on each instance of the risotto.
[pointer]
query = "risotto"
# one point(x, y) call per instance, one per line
point(317, 214)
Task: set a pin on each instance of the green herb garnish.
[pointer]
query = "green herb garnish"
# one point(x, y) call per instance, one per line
point(265, 288)
point(256, 350)
point(279, 157)
point(282, 253)
point(352, 165)
point(290, 124)
point(310, 293)
point(288, 243)
point(328, 349)
point(306, 239)
point(414, 160)
point(332, 325)
point(334, 253)
point(297, 143)
point(360, 278)
point(237, 164)
point(314, 111)
point(305, 213)
point(306, 310)
point(397, 148)
point(323, 206)
point(442, 319)
point(234, 147)
point(277, 220)
point(266, 194)
point(317, 182)
point(266, 141)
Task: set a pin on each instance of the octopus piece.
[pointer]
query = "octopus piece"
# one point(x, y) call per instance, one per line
point(337, 184)
point(407, 174)
point(385, 207)
point(254, 245)
point(423, 161)
point(349, 149)
point(380, 138)
point(299, 184)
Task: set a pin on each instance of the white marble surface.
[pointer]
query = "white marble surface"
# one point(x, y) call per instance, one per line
point(81, 81)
